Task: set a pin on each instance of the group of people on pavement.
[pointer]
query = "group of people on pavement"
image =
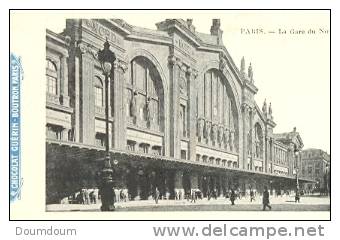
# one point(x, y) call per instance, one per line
point(91, 196)
point(121, 195)
point(232, 197)
point(84, 196)
point(265, 198)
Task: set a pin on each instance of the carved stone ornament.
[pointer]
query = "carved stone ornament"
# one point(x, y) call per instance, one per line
point(82, 47)
point(264, 107)
point(86, 48)
point(148, 111)
point(270, 111)
point(231, 140)
point(200, 127)
point(226, 137)
point(243, 66)
point(172, 59)
point(133, 105)
point(123, 65)
point(214, 132)
point(192, 72)
point(183, 86)
point(220, 134)
point(250, 73)
point(223, 64)
point(207, 129)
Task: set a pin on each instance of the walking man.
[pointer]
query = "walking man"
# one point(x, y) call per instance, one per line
point(297, 195)
point(87, 197)
point(193, 196)
point(265, 199)
point(252, 195)
point(156, 195)
point(232, 197)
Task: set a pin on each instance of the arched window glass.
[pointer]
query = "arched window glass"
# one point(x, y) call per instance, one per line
point(51, 77)
point(144, 95)
point(218, 109)
point(98, 92)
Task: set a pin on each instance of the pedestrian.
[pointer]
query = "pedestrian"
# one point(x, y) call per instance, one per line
point(297, 196)
point(232, 197)
point(117, 194)
point(156, 195)
point(208, 194)
point(193, 196)
point(121, 195)
point(87, 197)
point(188, 195)
point(82, 196)
point(92, 200)
point(215, 193)
point(252, 195)
point(265, 199)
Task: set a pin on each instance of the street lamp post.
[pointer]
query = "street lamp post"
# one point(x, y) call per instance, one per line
point(326, 180)
point(297, 153)
point(106, 58)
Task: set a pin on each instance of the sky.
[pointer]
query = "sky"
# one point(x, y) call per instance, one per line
point(291, 66)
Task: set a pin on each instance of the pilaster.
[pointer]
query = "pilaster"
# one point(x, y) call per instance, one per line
point(86, 96)
point(179, 182)
point(192, 74)
point(175, 69)
point(271, 154)
point(245, 114)
point(65, 99)
point(194, 181)
point(118, 107)
point(266, 143)
point(252, 138)
point(77, 115)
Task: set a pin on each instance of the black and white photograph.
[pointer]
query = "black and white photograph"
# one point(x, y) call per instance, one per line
point(188, 114)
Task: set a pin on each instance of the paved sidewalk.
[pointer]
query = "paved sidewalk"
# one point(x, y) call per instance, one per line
point(285, 203)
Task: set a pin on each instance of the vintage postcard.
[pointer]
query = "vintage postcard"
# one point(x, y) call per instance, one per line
point(151, 114)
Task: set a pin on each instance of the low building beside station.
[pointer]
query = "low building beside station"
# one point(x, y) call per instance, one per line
point(316, 166)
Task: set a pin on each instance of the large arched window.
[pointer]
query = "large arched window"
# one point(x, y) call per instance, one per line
point(218, 111)
point(98, 92)
point(144, 95)
point(51, 77)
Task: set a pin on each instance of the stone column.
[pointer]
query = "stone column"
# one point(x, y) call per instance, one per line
point(175, 69)
point(138, 189)
point(194, 181)
point(291, 159)
point(266, 143)
point(220, 179)
point(179, 183)
point(252, 138)
point(64, 134)
point(192, 74)
point(271, 154)
point(245, 133)
point(118, 105)
point(214, 182)
point(87, 106)
point(77, 117)
point(64, 81)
